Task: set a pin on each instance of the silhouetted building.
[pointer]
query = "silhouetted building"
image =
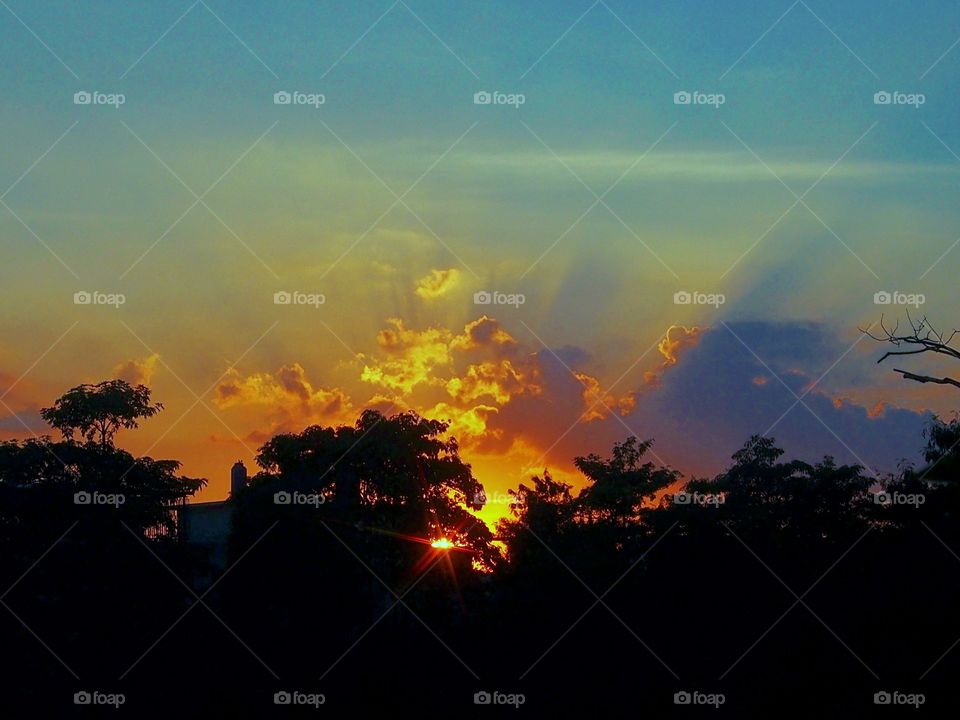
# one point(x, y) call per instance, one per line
point(208, 524)
point(238, 477)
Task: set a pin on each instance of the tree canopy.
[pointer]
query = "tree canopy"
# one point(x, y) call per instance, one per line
point(98, 411)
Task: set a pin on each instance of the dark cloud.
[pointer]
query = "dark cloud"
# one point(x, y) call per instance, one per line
point(737, 380)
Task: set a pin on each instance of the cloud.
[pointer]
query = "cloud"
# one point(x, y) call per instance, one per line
point(676, 340)
point(700, 166)
point(710, 393)
point(599, 405)
point(411, 356)
point(437, 283)
point(744, 378)
point(468, 425)
point(20, 410)
point(136, 371)
point(485, 332)
point(414, 358)
point(292, 401)
point(498, 381)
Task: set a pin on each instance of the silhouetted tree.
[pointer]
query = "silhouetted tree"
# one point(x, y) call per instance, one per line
point(43, 479)
point(761, 493)
point(99, 411)
point(397, 474)
point(621, 485)
point(542, 515)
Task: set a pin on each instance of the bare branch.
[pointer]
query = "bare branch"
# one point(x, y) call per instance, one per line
point(921, 338)
point(928, 379)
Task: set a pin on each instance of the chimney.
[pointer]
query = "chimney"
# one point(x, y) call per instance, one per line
point(238, 478)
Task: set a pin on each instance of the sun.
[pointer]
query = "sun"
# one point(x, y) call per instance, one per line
point(441, 544)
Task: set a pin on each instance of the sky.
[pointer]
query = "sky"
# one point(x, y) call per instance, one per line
point(580, 200)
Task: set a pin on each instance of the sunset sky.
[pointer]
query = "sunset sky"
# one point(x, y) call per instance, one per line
point(398, 198)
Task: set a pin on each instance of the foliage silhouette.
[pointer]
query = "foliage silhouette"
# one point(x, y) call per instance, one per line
point(99, 411)
point(613, 592)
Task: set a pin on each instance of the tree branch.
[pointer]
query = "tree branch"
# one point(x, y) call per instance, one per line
point(928, 379)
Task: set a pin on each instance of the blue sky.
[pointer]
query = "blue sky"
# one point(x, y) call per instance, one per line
point(700, 199)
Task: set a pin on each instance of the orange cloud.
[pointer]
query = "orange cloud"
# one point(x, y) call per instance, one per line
point(677, 340)
point(497, 380)
point(411, 356)
point(466, 424)
point(437, 283)
point(598, 405)
point(292, 400)
point(136, 372)
point(484, 332)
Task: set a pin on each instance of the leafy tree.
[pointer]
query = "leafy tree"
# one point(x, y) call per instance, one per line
point(940, 452)
point(99, 411)
point(622, 484)
point(600, 529)
point(542, 514)
point(764, 494)
point(40, 478)
point(397, 474)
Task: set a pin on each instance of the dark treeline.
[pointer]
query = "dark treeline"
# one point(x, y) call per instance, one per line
point(792, 589)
